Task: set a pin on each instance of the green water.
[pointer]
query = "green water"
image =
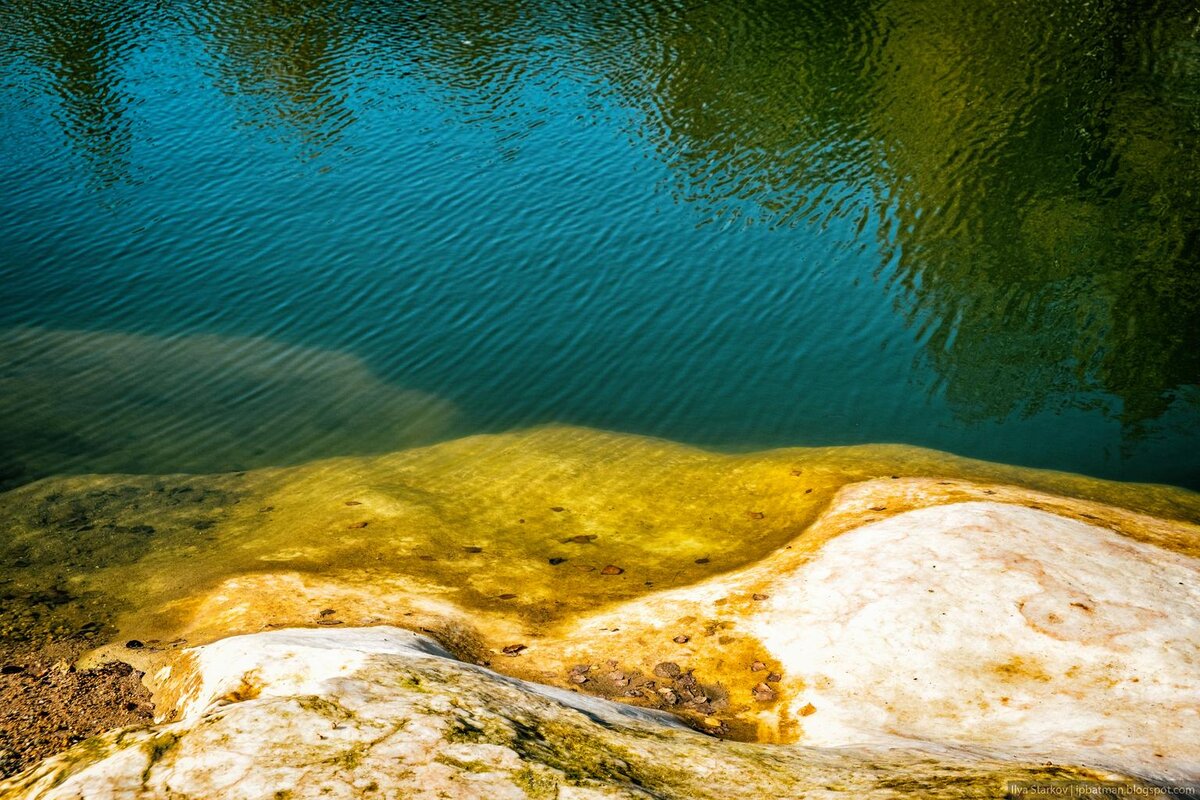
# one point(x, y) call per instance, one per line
point(244, 233)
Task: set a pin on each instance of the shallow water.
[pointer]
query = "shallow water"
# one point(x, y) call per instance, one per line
point(237, 234)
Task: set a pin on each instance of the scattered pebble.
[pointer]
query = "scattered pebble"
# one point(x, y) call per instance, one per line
point(513, 649)
point(357, 525)
point(611, 570)
point(757, 666)
point(808, 491)
point(134, 644)
point(774, 677)
point(758, 596)
point(328, 612)
point(667, 669)
point(619, 678)
point(756, 515)
point(557, 509)
point(554, 562)
point(579, 677)
point(681, 639)
point(764, 694)
point(668, 695)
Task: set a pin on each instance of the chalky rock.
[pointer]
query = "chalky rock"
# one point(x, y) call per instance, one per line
point(383, 712)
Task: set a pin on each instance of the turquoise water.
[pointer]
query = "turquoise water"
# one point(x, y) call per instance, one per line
point(244, 233)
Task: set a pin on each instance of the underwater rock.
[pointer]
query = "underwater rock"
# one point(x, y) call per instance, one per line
point(202, 403)
point(386, 712)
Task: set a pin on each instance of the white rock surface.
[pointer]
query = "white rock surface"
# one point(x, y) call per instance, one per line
point(382, 712)
point(999, 627)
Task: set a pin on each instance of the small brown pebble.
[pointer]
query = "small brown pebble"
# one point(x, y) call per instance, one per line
point(756, 515)
point(328, 622)
point(668, 695)
point(681, 639)
point(774, 677)
point(353, 503)
point(357, 525)
point(757, 666)
point(702, 560)
point(763, 693)
point(808, 491)
point(579, 677)
point(513, 649)
point(554, 562)
point(611, 569)
point(808, 710)
point(583, 538)
point(581, 668)
point(327, 612)
point(134, 644)
point(667, 669)
point(758, 596)
point(557, 509)
point(506, 596)
point(470, 548)
point(879, 508)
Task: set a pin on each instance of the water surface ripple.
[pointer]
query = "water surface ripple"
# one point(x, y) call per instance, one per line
point(236, 233)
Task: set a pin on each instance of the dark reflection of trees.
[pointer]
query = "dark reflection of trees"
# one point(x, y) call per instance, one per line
point(1027, 171)
point(286, 63)
point(1032, 170)
point(1045, 187)
point(77, 52)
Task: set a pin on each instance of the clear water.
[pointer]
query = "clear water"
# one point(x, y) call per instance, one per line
point(238, 233)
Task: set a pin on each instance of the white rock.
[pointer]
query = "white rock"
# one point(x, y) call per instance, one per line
point(1001, 628)
point(383, 712)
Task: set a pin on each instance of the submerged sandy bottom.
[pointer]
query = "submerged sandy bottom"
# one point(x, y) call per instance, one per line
point(830, 597)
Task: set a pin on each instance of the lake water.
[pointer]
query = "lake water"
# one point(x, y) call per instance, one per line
point(237, 234)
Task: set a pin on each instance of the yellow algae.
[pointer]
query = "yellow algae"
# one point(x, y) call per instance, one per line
point(470, 521)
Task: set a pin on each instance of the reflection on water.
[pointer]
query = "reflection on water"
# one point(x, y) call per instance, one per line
point(972, 227)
